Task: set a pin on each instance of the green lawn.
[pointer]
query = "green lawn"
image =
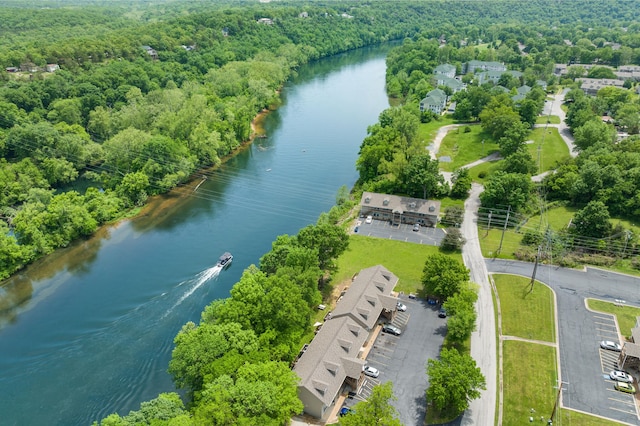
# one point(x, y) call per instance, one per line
point(465, 148)
point(557, 218)
point(554, 149)
point(485, 169)
point(427, 131)
point(529, 375)
point(626, 315)
point(490, 242)
point(552, 119)
point(405, 260)
point(525, 314)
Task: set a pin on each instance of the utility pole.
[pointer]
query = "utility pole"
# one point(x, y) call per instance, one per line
point(535, 268)
point(555, 404)
point(489, 224)
point(504, 229)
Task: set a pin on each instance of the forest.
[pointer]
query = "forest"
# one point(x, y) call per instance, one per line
point(104, 104)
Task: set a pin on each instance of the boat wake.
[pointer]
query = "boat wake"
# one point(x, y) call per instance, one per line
point(194, 284)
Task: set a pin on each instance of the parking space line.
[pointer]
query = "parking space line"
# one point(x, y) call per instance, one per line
point(622, 411)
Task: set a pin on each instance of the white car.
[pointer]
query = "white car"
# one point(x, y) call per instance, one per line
point(611, 346)
point(401, 307)
point(369, 219)
point(620, 376)
point(371, 372)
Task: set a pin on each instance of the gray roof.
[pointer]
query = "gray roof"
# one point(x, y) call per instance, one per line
point(450, 82)
point(523, 90)
point(436, 96)
point(331, 357)
point(444, 69)
point(400, 204)
point(367, 296)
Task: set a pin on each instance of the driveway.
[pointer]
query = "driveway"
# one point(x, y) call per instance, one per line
point(404, 232)
point(402, 359)
point(583, 365)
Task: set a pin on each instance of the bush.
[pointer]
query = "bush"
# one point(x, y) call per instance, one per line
point(482, 174)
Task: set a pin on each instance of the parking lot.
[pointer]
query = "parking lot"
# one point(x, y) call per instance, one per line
point(402, 359)
point(403, 232)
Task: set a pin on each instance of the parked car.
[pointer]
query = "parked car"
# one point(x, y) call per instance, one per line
point(610, 346)
point(416, 227)
point(355, 229)
point(345, 410)
point(371, 372)
point(624, 387)
point(620, 376)
point(391, 329)
point(401, 307)
point(369, 219)
point(442, 312)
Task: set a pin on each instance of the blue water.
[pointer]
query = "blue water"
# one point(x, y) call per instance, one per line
point(89, 330)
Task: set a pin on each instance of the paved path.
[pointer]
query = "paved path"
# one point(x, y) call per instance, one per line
point(483, 341)
point(442, 132)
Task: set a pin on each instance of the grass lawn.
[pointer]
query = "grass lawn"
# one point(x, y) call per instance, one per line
point(557, 218)
point(450, 202)
point(489, 242)
point(554, 149)
point(626, 315)
point(552, 119)
point(570, 417)
point(465, 148)
point(529, 374)
point(525, 314)
point(405, 260)
point(427, 131)
point(484, 169)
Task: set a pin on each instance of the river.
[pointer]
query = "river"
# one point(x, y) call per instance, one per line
point(89, 330)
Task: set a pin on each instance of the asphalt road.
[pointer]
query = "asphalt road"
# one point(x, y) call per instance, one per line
point(481, 411)
point(583, 365)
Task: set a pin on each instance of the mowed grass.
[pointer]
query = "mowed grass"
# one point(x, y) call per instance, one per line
point(625, 315)
point(529, 380)
point(490, 242)
point(557, 218)
point(427, 131)
point(554, 150)
point(570, 417)
point(405, 260)
point(551, 119)
point(465, 148)
point(527, 314)
point(485, 170)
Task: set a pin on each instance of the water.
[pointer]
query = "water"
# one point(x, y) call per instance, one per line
point(89, 330)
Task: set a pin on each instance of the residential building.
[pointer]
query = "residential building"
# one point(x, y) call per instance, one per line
point(628, 72)
point(265, 21)
point(332, 363)
point(494, 76)
point(397, 209)
point(452, 83)
point(447, 70)
point(473, 66)
point(52, 67)
point(590, 86)
point(435, 101)
point(151, 52)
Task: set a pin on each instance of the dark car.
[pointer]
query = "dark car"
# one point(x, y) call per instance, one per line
point(391, 329)
point(442, 313)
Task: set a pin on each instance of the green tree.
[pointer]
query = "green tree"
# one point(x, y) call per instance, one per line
point(592, 221)
point(442, 276)
point(594, 132)
point(520, 162)
point(453, 240)
point(461, 313)
point(461, 183)
point(454, 381)
point(376, 410)
point(422, 177)
point(329, 240)
point(503, 188)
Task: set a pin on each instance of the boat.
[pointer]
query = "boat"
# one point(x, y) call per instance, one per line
point(225, 260)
